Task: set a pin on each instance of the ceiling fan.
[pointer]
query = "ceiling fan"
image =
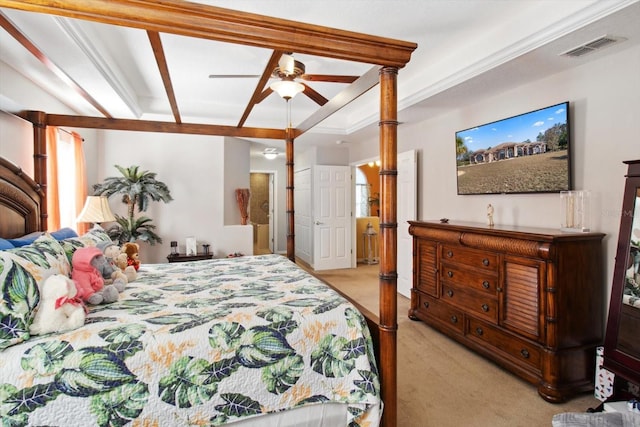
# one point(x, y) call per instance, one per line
point(290, 71)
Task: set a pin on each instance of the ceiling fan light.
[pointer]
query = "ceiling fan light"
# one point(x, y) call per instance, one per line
point(287, 89)
point(270, 153)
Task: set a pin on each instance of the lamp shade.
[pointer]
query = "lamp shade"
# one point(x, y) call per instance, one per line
point(287, 89)
point(96, 209)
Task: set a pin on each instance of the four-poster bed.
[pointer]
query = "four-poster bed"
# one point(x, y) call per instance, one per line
point(194, 20)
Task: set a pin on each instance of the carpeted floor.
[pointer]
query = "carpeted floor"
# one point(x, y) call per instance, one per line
point(441, 383)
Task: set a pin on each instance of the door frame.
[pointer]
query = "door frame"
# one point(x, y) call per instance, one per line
point(273, 206)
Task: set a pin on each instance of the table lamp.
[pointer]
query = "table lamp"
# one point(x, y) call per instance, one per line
point(96, 210)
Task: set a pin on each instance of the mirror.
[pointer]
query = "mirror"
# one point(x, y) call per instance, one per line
point(622, 340)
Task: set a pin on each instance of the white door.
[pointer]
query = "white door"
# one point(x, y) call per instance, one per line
point(331, 217)
point(407, 202)
point(302, 218)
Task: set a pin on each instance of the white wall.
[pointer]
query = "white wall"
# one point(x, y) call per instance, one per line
point(192, 168)
point(605, 124)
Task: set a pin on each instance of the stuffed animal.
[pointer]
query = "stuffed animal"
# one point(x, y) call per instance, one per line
point(129, 271)
point(88, 264)
point(59, 309)
point(115, 257)
point(131, 249)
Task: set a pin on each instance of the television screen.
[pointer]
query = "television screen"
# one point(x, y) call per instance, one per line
point(528, 153)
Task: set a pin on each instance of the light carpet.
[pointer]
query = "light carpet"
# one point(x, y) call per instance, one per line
point(440, 382)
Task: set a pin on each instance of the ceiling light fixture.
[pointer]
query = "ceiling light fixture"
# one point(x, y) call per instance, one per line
point(287, 89)
point(270, 153)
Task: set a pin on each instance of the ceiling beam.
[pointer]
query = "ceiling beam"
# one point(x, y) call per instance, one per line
point(155, 126)
point(258, 93)
point(350, 93)
point(158, 52)
point(226, 25)
point(49, 64)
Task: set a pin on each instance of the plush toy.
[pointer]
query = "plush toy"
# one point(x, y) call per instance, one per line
point(131, 249)
point(59, 309)
point(118, 262)
point(88, 265)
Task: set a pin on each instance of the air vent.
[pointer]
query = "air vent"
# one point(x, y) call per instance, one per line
point(591, 46)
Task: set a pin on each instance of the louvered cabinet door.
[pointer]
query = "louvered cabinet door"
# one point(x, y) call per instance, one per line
point(522, 298)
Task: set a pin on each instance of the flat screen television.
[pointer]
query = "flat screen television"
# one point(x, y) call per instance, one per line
point(527, 153)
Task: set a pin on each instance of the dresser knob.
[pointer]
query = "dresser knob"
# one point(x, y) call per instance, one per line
point(485, 307)
point(426, 304)
point(450, 293)
point(485, 284)
point(449, 254)
point(525, 353)
point(454, 319)
point(450, 273)
point(479, 330)
point(485, 262)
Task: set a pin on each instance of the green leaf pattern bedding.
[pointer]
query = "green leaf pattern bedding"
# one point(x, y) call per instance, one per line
point(201, 343)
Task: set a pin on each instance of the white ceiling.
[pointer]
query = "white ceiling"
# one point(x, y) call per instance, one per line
point(466, 50)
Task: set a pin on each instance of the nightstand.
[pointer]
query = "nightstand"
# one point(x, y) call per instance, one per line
point(185, 257)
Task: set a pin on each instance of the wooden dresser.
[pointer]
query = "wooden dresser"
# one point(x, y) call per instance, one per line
point(530, 299)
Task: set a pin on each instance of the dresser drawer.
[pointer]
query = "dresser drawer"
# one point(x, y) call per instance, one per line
point(476, 260)
point(485, 281)
point(445, 314)
point(520, 350)
point(476, 304)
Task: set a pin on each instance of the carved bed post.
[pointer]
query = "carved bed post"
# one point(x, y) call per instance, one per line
point(291, 235)
point(39, 121)
point(388, 242)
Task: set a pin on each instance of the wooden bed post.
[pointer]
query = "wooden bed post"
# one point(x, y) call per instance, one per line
point(39, 121)
point(388, 243)
point(291, 235)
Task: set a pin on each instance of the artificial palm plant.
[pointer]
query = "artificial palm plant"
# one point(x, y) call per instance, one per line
point(137, 188)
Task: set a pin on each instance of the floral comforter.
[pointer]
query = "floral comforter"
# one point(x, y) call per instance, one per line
point(200, 343)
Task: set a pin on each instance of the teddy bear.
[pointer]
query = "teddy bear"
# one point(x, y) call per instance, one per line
point(118, 262)
point(131, 249)
point(89, 267)
point(59, 309)
point(121, 261)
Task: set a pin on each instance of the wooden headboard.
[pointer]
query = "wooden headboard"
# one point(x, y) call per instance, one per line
point(20, 199)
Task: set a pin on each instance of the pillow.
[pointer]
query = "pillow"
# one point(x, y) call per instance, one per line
point(20, 297)
point(64, 233)
point(27, 239)
point(5, 244)
point(43, 258)
point(90, 238)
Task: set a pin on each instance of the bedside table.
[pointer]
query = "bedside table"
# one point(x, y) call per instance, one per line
point(185, 257)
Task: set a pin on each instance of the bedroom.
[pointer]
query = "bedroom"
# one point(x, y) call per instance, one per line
point(602, 91)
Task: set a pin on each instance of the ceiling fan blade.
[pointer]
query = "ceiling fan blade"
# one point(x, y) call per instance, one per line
point(314, 96)
point(328, 78)
point(233, 76)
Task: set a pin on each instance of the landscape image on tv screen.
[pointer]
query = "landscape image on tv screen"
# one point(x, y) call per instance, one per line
point(528, 153)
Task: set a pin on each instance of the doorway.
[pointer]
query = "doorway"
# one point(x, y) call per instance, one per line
point(261, 206)
point(367, 204)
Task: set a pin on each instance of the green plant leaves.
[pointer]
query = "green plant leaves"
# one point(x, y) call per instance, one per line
point(329, 358)
point(119, 406)
point(46, 358)
point(238, 405)
point(261, 346)
point(92, 370)
point(283, 374)
point(190, 382)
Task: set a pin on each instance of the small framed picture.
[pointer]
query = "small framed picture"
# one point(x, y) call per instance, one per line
point(190, 246)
